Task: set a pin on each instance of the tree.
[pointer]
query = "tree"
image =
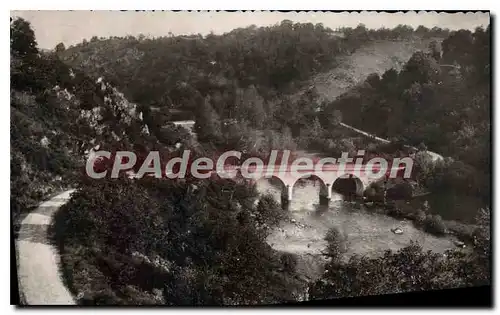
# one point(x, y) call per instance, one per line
point(269, 212)
point(420, 68)
point(458, 47)
point(409, 269)
point(390, 77)
point(422, 30)
point(286, 141)
point(433, 224)
point(289, 262)
point(250, 106)
point(422, 147)
point(403, 31)
point(336, 244)
point(22, 39)
point(208, 125)
point(60, 48)
point(336, 117)
point(310, 135)
point(373, 79)
point(435, 50)
point(482, 245)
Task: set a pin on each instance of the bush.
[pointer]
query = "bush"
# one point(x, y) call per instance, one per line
point(395, 212)
point(464, 232)
point(289, 262)
point(420, 217)
point(398, 209)
point(103, 297)
point(408, 269)
point(336, 244)
point(374, 193)
point(400, 191)
point(269, 212)
point(433, 224)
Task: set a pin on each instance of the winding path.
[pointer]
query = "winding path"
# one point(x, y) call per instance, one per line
point(435, 156)
point(188, 124)
point(40, 282)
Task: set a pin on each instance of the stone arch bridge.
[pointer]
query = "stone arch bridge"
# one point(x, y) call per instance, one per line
point(332, 178)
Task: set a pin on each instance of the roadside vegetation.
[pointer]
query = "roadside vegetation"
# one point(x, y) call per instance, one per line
point(409, 269)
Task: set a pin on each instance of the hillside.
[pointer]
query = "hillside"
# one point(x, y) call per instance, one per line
point(254, 75)
point(163, 71)
point(438, 100)
point(374, 57)
point(58, 114)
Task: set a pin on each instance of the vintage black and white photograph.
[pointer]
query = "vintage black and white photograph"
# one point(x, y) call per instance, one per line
point(249, 158)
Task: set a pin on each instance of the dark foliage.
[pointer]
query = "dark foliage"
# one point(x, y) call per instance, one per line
point(440, 101)
point(208, 248)
point(409, 269)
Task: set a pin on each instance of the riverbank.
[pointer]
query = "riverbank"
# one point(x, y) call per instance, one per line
point(369, 232)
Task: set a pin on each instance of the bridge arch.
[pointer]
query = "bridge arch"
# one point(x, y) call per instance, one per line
point(348, 185)
point(324, 188)
point(274, 181)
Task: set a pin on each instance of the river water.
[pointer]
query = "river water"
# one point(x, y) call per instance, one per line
point(367, 233)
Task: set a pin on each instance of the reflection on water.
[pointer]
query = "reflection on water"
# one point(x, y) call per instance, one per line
point(367, 233)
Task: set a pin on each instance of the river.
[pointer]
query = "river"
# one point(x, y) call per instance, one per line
point(367, 233)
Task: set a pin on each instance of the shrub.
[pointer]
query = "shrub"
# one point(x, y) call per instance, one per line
point(268, 211)
point(463, 231)
point(289, 262)
point(433, 224)
point(103, 297)
point(408, 269)
point(336, 244)
point(374, 193)
point(419, 217)
point(395, 213)
point(400, 191)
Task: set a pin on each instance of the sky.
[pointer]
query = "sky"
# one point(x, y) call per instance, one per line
point(71, 27)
